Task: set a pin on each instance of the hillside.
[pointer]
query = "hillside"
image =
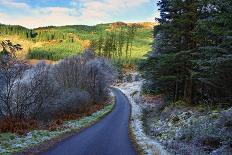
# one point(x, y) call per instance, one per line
point(55, 43)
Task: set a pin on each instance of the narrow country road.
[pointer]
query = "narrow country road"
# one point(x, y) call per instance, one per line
point(108, 137)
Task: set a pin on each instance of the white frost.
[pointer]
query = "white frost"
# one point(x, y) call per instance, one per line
point(132, 91)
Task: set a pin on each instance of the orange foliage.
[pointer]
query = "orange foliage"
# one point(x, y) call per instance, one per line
point(128, 68)
point(22, 126)
point(54, 125)
point(85, 43)
point(85, 111)
point(152, 99)
point(15, 125)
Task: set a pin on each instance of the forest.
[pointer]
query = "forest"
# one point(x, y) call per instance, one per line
point(191, 58)
point(115, 40)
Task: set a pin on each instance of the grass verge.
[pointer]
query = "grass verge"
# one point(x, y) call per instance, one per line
point(38, 141)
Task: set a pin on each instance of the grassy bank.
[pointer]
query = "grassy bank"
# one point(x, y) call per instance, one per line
point(12, 143)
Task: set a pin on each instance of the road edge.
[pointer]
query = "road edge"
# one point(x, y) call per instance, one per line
point(157, 148)
point(46, 145)
point(131, 134)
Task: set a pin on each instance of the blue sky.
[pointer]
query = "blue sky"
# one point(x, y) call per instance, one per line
point(36, 13)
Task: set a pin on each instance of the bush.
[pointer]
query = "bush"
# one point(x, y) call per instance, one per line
point(41, 91)
point(30, 91)
point(86, 73)
point(73, 101)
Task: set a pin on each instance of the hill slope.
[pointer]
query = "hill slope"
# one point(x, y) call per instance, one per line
point(55, 43)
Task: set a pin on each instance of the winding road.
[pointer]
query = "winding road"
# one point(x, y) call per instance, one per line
point(107, 137)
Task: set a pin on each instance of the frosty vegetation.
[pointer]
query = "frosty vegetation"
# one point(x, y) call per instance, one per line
point(132, 90)
point(40, 91)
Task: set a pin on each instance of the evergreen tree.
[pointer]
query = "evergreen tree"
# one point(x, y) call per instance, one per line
point(192, 57)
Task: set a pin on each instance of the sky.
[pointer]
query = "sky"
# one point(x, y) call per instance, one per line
point(38, 13)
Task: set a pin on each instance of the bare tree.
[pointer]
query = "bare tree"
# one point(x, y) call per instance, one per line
point(27, 90)
point(24, 89)
point(100, 75)
point(73, 83)
point(11, 70)
point(10, 73)
point(86, 73)
point(33, 91)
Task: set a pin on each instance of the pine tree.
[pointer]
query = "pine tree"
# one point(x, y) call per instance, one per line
point(192, 57)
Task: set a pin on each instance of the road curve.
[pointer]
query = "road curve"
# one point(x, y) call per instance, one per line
point(107, 137)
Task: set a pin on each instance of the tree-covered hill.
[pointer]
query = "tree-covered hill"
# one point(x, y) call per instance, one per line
point(132, 40)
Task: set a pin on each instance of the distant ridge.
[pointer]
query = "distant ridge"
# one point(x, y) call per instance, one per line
point(146, 25)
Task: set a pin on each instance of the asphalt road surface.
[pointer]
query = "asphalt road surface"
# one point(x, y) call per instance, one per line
point(107, 137)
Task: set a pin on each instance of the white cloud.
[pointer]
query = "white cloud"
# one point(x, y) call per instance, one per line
point(81, 11)
point(104, 10)
point(56, 16)
point(13, 4)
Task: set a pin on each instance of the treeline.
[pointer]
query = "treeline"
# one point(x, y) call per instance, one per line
point(42, 91)
point(116, 43)
point(67, 33)
point(17, 30)
point(192, 56)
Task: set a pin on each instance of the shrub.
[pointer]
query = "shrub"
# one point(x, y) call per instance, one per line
point(19, 126)
point(72, 101)
point(41, 91)
point(28, 92)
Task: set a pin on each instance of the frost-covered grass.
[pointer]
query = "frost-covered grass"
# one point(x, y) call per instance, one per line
point(148, 145)
point(189, 130)
point(11, 143)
